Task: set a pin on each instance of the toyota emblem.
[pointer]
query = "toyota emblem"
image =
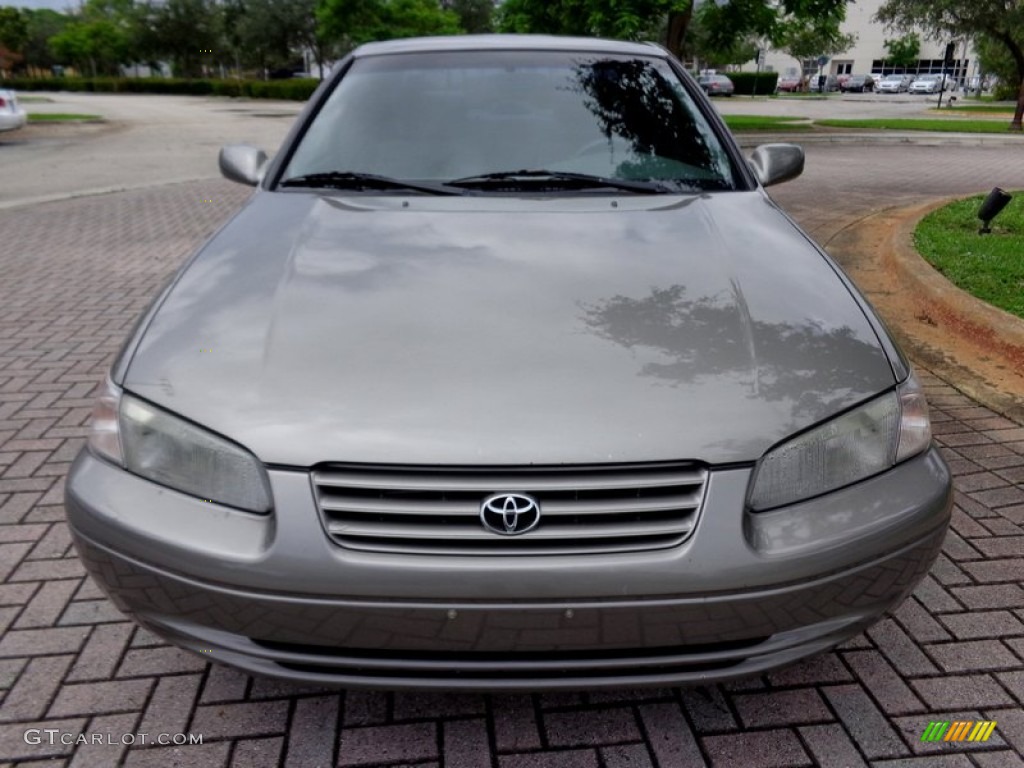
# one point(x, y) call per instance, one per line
point(510, 513)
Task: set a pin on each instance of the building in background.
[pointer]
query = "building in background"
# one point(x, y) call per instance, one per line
point(867, 56)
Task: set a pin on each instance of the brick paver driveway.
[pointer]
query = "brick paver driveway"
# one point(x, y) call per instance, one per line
point(72, 277)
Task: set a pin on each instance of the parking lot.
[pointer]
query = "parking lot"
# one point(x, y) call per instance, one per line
point(75, 273)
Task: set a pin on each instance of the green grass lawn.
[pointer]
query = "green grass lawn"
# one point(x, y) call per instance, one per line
point(991, 266)
point(34, 99)
point(985, 108)
point(60, 117)
point(957, 125)
point(765, 123)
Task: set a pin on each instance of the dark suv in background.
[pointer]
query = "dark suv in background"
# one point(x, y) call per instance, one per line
point(716, 85)
point(858, 84)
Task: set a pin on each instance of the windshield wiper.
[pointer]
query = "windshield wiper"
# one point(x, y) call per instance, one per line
point(356, 180)
point(564, 179)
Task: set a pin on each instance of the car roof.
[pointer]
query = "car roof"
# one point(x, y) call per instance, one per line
point(506, 43)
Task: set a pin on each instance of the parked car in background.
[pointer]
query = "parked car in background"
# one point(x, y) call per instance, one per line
point(831, 83)
point(12, 116)
point(716, 85)
point(789, 83)
point(548, 396)
point(979, 83)
point(858, 84)
point(894, 84)
point(927, 84)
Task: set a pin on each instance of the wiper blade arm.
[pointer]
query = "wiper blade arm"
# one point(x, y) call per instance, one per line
point(356, 180)
point(577, 181)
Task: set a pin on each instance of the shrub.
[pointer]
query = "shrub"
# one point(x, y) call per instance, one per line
point(744, 82)
point(1005, 91)
point(299, 89)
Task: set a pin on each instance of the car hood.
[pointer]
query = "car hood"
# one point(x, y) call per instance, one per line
point(502, 330)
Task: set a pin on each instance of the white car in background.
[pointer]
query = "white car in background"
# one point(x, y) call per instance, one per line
point(893, 84)
point(930, 84)
point(12, 116)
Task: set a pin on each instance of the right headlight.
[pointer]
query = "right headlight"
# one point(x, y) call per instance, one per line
point(854, 446)
point(159, 446)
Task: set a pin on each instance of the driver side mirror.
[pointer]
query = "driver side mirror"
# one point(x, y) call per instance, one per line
point(242, 163)
point(776, 163)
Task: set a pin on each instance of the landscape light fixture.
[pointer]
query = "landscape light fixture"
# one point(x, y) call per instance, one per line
point(994, 203)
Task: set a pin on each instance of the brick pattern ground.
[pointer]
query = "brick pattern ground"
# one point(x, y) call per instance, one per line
point(74, 275)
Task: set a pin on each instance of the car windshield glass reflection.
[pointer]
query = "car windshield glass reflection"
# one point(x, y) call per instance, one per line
point(438, 117)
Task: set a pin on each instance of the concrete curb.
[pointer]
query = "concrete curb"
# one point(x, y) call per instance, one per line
point(974, 346)
point(874, 138)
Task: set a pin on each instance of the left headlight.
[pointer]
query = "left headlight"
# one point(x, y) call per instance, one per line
point(166, 449)
point(851, 447)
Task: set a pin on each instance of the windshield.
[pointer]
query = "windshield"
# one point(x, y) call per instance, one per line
point(439, 117)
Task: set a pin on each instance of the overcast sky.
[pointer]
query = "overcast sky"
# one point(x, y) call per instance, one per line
point(57, 5)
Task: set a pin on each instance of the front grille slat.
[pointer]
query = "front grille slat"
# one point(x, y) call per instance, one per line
point(353, 504)
point(584, 509)
point(469, 530)
point(471, 480)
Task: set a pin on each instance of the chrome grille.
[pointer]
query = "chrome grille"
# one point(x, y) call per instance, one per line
point(436, 510)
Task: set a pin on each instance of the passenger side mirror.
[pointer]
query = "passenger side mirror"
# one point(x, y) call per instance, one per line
point(776, 163)
point(242, 163)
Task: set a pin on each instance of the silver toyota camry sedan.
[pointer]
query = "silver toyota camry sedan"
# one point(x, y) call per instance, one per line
point(509, 375)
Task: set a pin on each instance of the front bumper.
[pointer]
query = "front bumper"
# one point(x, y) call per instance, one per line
point(273, 595)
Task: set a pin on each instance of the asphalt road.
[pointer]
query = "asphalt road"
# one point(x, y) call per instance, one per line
point(147, 140)
point(73, 275)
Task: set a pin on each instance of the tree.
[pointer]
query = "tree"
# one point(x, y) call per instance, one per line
point(351, 22)
point(475, 16)
point(43, 24)
point(188, 32)
point(13, 36)
point(725, 23)
point(95, 41)
point(96, 45)
point(101, 36)
point(625, 19)
point(998, 20)
point(903, 51)
point(806, 43)
point(790, 25)
point(306, 32)
point(13, 28)
point(996, 60)
point(270, 33)
point(263, 32)
point(413, 18)
point(699, 47)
